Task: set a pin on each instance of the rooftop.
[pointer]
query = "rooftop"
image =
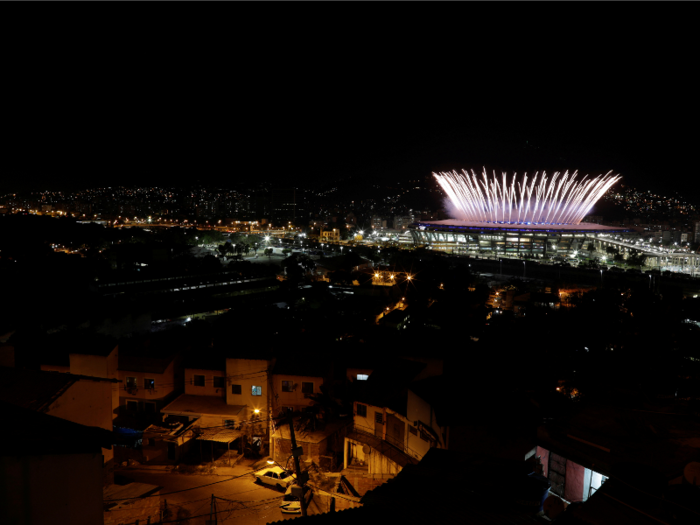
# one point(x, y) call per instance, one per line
point(36, 389)
point(190, 405)
point(472, 490)
point(608, 435)
point(41, 434)
point(220, 435)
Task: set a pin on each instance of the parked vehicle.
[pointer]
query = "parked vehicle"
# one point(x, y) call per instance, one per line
point(291, 504)
point(275, 477)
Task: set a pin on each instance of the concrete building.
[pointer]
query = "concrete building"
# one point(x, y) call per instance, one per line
point(224, 397)
point(148, 383)
point(51, 471)
point(392, 425)
point(293, 384)
point(402, 222)
point(86, 400)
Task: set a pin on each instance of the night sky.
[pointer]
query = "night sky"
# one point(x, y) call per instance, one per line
point(293, 106)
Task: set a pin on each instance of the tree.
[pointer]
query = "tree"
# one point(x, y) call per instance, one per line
point(212, 237)
point(306, 262)
point(268, 252)
point(636, 259)
point(590, 248)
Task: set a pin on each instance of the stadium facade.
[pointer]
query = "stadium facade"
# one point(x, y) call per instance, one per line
point(546, 240)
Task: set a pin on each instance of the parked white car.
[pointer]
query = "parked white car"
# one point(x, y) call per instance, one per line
point(291, 504)
point(275, 477)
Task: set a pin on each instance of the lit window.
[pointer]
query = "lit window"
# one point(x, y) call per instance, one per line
point(362, 377)
point(149, 384)
point(257, 391)
point(130, 382)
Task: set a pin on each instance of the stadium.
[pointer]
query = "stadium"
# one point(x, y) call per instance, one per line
point(542, 218)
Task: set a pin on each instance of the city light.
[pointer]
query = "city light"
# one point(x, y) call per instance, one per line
point(559, 199)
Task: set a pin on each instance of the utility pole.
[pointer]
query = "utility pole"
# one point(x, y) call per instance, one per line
point(213, 520)
point(302, 478)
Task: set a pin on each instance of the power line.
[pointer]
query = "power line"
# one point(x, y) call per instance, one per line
point(182, 490)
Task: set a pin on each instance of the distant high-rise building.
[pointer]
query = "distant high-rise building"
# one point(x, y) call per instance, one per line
point(378, 222)
point(401, 222)
point(696, 231)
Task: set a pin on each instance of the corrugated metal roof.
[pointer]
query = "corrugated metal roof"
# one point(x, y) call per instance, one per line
point(220, 435)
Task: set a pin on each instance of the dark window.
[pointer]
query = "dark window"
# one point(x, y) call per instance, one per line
point(361, 410)
point(131, 382)
point(149, 408)
point(287, 386)
point(236, 389)
point(198, 380)
point(132, 406)
point(229, 423)
point(378, 417)
point(257, 391)
point(218, 382)
point(307, 388)
point(413, 430)
point(424, 436)
point(149, 384)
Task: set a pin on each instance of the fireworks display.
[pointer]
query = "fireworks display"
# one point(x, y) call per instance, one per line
point(541, 199)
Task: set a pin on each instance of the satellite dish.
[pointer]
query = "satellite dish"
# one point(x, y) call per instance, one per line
point(366, 449)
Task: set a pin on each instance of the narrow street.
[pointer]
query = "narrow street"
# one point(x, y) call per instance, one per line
point(242, 500)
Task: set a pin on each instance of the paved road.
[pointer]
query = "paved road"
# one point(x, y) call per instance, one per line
point(244, 502)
